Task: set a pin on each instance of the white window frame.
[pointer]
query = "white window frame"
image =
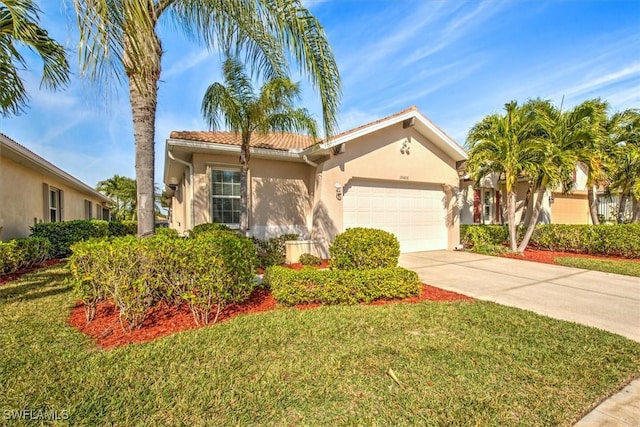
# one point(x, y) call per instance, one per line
point(54, 204)
point(212, 170)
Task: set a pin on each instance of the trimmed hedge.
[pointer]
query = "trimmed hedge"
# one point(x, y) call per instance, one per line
point(214, 269)
point(622, 240)
point(309, 259)
point(122, 228)
point(64, 234)
point(309, 285)
point(205, 228)
point(364, 248)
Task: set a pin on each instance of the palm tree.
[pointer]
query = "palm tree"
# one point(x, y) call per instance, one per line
point(561, 136)
point(506, 145)
point(122, 192)
point(623, 159)
point(243, 111)
point(121, 38)
point(19, 26)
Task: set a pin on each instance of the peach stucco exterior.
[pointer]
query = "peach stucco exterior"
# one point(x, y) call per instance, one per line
point(23, 179)
point(302, 191)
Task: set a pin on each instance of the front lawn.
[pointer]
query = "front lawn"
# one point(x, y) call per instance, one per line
point(629, 268)
point(467, 362)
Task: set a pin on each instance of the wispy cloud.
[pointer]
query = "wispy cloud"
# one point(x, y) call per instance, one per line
point(192, 60)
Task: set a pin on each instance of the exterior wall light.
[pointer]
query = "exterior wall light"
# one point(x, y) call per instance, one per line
point(338, 191)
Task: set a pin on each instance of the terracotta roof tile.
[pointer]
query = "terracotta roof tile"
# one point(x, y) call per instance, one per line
point(273, 141)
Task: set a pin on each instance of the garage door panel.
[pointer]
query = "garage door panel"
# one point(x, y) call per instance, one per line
point(414, 214)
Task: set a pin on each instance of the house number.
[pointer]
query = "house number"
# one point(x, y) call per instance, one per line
point(404, 177)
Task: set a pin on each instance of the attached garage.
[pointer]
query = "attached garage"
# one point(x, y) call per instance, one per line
point(416, 214)
point(570, 209)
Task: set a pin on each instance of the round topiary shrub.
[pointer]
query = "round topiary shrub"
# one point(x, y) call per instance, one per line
point(364, 248)
point(205, 228)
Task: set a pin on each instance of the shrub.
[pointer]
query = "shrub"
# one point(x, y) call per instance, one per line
point(309, 259)
point(122, 228)
point(205, 228)
point(167, 232)
point(273, 251)
point(89, 272)
point(614, 240)
point(64, 234)
point(10, 257)
point(309, 285)
point(364, 248)
point(483, 235)
point(34, 250)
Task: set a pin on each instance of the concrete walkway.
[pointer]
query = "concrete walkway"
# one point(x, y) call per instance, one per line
point(602, 300)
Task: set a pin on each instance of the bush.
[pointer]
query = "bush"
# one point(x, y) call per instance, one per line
point(172, 233)
point(483, 235)
point(621, 240)
point(205, 228)
point(215, 268)
point(34, 250)
point(309, 259)
point(64, 234)
point(364, 248)
point(309, 285)
point(122, 228)
point(10, 257)
point(273, 251)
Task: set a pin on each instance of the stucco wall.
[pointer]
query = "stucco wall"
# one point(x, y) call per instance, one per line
point(392, 154)
point(21, 199)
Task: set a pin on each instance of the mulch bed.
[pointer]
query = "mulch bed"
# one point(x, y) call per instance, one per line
point(548, 257)
point(6, 278)
point(163, 320)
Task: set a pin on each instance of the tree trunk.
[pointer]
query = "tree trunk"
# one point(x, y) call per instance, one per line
point(525, 205)
point(622, 206)
point(511, 218)
point(245, 155)
point(537, 208)
point(636, 210)
point(592, 195)
point(143, 96)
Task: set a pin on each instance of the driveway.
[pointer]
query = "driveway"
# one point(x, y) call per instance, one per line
point(603, 300)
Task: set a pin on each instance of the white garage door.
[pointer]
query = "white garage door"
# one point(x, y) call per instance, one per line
point(416, 215)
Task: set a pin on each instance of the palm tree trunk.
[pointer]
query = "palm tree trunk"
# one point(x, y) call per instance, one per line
point(244, 183)
point(525, 205)
point(622, 206)
point(592, 195)
point(511, 214)
point(534, 219)
point(636, 210)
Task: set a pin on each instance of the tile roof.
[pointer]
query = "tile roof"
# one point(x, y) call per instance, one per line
point(273, 141)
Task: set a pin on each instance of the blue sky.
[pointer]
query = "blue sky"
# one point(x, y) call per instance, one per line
point(457, 61)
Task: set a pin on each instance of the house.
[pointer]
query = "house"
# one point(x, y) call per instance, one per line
point(398, 173)
point(484, 204)
point(32, 190)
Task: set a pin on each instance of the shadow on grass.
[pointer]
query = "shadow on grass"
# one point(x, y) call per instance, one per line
point(39, 284)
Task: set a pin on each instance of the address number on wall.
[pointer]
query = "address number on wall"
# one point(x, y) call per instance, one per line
point(405, 177)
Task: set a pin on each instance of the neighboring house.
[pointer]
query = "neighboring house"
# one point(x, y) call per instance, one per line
point(33, 190)
point(485, 204)
point(398, 173)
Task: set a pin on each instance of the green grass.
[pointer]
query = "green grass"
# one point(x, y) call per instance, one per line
point(629, 268)
point(463, 363)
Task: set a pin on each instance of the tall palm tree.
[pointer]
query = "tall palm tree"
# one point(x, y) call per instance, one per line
point(19, 26)
point(121, 38)
point(122, 192)
point(623, 158)
point(561, 136)
point(506, 145)
point(243, 111)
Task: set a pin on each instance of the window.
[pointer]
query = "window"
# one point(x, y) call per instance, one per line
point(88, 206)
point(54, 204)
point(225, 197)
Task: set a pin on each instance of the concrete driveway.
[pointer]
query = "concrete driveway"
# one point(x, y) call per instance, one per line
point(603, 300)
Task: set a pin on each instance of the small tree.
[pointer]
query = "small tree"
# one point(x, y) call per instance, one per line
point(244, 112)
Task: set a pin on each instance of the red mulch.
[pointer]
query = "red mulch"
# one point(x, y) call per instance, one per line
point(298, 266)
point(6, 278)
point(163, 320)
point(548, 257)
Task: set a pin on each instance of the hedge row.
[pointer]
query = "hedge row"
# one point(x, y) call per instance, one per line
point(621, 240)
point(309, 285)
point(23, 253)
point(63, 235)
point(210, 270)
